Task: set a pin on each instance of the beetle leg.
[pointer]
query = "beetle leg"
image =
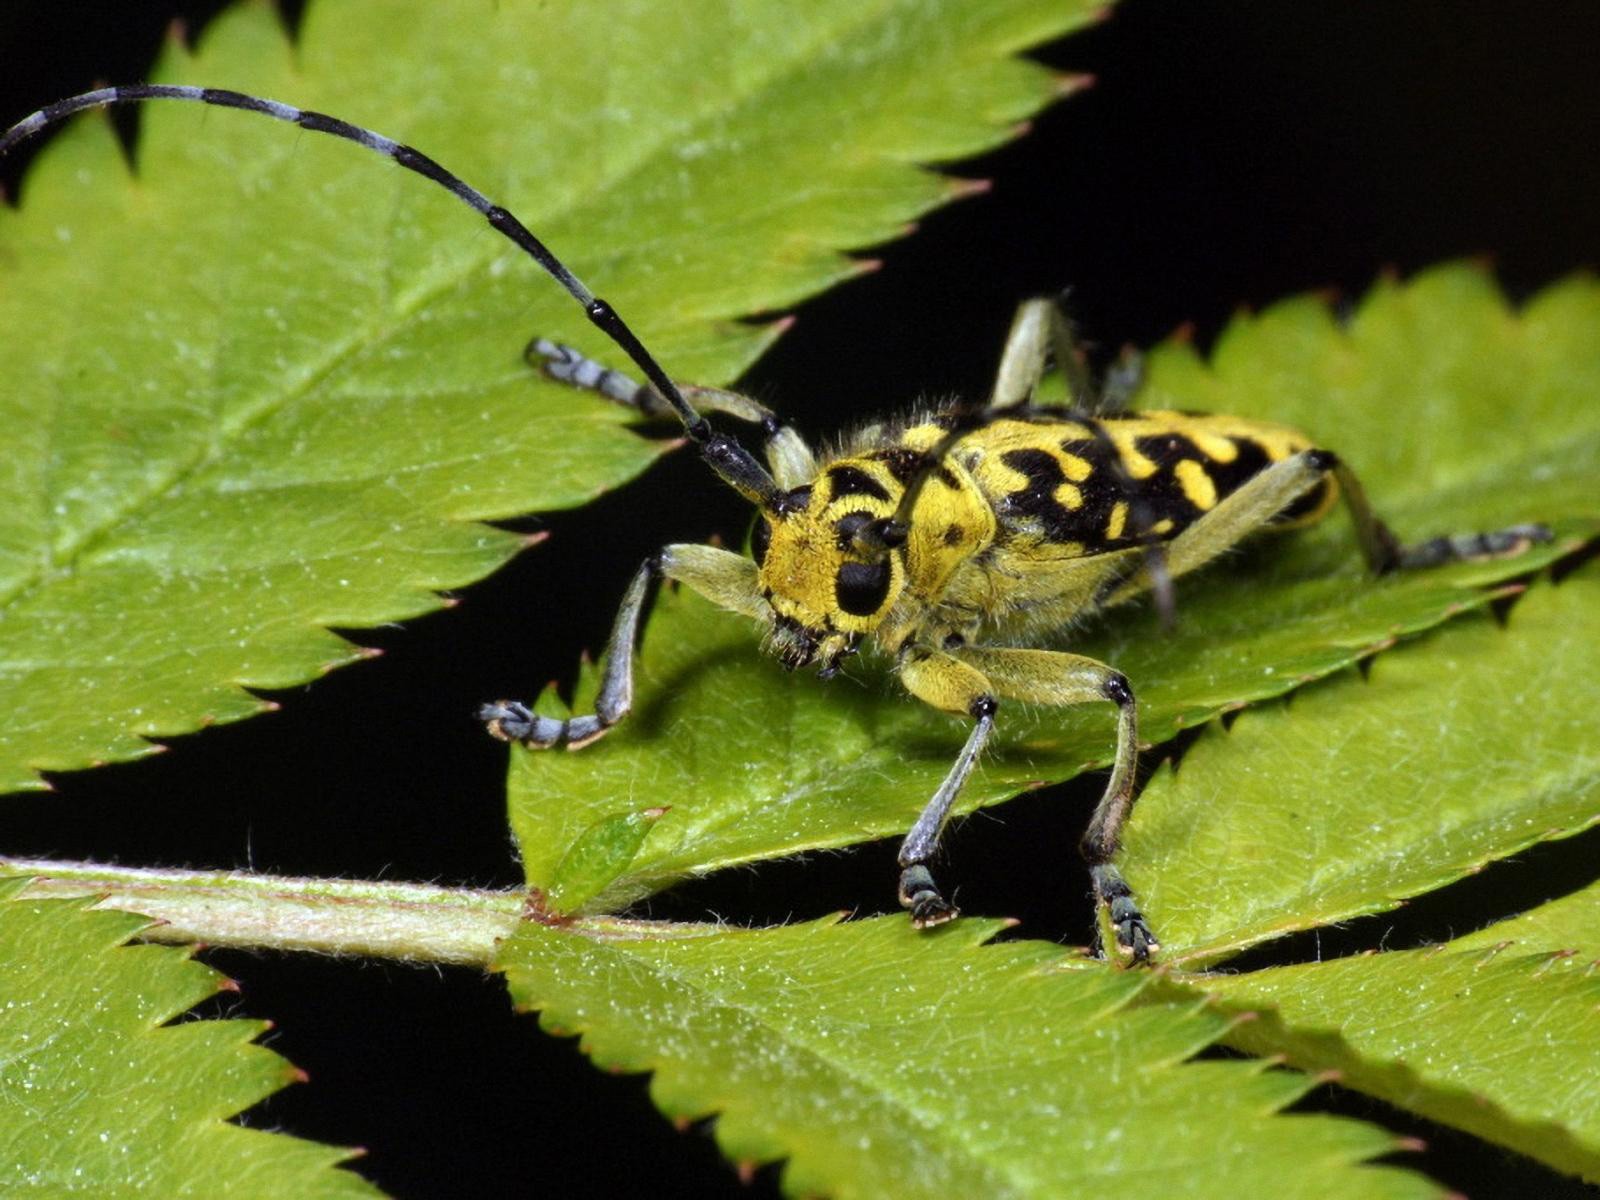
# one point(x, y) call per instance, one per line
point(968, 679)
point(1248, 510)
point(1053, 677)
point(1039, 332)
point(728, 580)
point(1385, 552)
point(787, 454)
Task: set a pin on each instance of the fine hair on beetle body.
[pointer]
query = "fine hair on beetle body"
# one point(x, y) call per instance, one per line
point(953, 540)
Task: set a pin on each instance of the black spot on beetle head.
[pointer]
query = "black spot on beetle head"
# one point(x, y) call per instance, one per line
point(862, 588)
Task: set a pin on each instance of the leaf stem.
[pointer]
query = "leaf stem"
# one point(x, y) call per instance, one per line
point(412, 922)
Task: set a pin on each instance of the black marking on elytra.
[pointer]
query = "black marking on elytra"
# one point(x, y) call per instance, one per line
point(1156, 498)
point(1249, 461)
point(846, 480)
point(1142, 512)
point(1034, 507)
point(1167, 450)
point(1160, 497)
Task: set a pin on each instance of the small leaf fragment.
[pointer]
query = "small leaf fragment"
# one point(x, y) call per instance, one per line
point(597, 857)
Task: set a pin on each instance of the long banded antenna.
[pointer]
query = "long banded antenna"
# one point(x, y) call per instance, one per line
point(725, 456)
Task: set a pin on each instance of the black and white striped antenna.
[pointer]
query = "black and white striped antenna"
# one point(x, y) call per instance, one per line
point(725, 456)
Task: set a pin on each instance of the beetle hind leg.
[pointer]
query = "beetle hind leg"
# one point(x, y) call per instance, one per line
point(1385, 552)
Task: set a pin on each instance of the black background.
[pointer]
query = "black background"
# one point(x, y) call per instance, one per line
point(1232, 151)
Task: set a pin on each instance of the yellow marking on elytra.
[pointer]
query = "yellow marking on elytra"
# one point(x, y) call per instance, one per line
point(1068, 495)
point(1118, 521)
point(1214, 446)
point(1198, 486)
point(1075, 468)
point(1134, 461)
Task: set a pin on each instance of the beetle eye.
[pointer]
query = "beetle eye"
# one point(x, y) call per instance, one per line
point(760, 539)
point(861, 588)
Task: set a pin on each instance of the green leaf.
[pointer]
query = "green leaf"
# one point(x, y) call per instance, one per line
point(1360, 792)
point(1493, 1033)
point(881, 1062)
point(756, 764)
point(270, 385)
point(1564, 925)
point(100, 1095)
point(601, 853)
point(1456, 411)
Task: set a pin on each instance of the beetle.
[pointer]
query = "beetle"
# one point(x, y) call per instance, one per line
point(948, 539)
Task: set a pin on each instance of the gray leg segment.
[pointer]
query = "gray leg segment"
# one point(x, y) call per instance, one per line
point(567, 365)
point(513, 721)
point(1245, 511)
point(967, 679)
point(790, 458)
point(1121, 384)
point(1252, 507)
point(1385, 552)
point(918, 892)
point(728, 580)
point(1054, 677)
point(1103, 837)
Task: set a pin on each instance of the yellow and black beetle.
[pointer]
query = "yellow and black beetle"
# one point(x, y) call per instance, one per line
point(948, 538)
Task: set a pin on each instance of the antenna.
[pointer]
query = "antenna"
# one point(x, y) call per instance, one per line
point(724, 455)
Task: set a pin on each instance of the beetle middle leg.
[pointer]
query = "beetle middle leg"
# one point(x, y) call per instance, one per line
point(1040, 333)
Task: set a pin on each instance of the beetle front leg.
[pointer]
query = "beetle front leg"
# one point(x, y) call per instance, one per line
point(936, 678)
point(726, 579)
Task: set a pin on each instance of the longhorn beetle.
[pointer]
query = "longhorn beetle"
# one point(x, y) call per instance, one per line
point(946, 537)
